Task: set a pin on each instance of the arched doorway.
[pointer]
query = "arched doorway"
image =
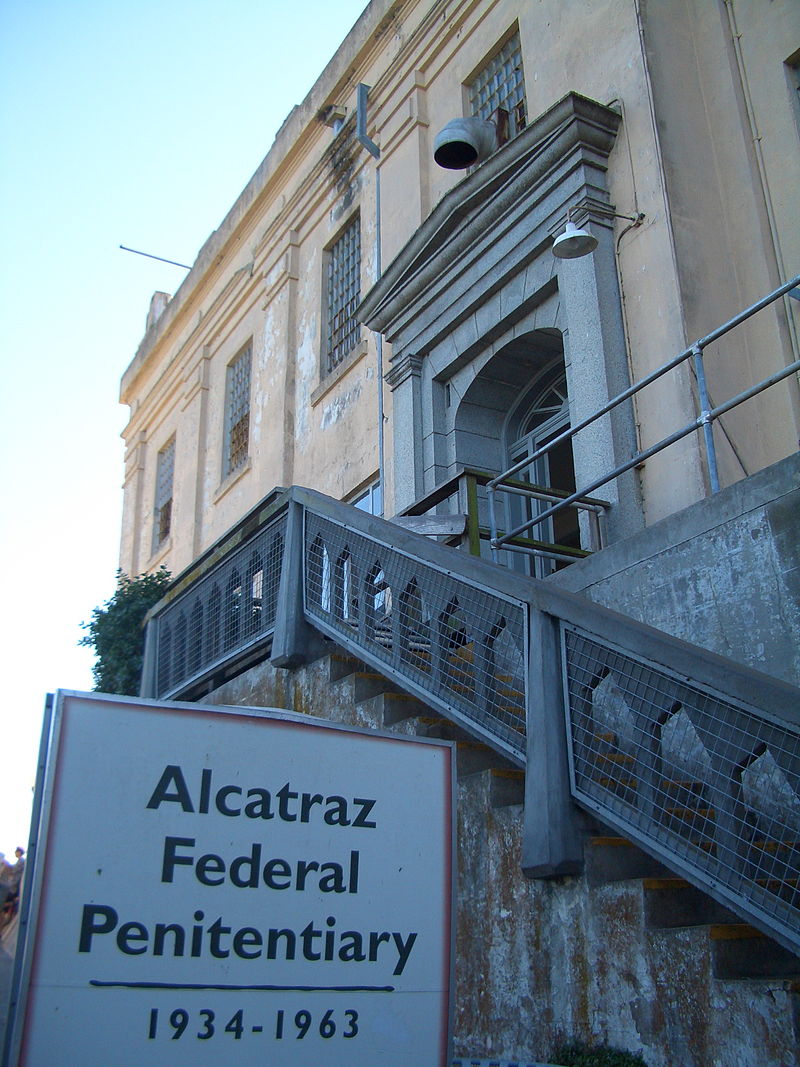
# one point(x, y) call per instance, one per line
point(542, 415)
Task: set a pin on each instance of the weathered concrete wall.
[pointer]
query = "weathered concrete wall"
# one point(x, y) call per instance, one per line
point(724, 574)
point(539, 963)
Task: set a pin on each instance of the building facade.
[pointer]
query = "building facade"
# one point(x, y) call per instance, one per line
point(259, 373)
point(395, 332)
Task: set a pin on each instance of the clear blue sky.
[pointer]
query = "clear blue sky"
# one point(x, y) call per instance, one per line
point(119, 124)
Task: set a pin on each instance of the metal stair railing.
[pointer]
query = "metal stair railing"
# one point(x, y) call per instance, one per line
point(216, 615)
point(692, 756)
point(446, 635)
point(703, 781)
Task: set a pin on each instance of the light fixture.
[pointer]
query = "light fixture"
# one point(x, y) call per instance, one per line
point(574, 242)
point(464, 142)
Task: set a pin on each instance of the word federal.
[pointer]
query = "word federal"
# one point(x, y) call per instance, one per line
point(247, 872)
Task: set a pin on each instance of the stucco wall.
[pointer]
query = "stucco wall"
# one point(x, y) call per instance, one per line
point(723, 574)
point(682, 157)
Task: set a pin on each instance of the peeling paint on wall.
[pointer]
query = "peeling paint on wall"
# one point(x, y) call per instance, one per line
point(339, 406)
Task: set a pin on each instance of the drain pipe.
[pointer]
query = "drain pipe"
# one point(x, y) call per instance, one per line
point(774, 232)
point(374, 151)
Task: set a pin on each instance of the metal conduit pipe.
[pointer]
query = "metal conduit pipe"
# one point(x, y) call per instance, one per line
point(374, 151)
point(774, 232)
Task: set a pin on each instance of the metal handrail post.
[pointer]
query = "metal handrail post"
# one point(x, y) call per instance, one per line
point(490, 498)
point(705, 417)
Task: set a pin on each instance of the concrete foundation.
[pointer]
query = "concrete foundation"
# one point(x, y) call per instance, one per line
point(723, 574)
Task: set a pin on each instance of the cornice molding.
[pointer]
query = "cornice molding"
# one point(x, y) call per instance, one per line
point(409, 366)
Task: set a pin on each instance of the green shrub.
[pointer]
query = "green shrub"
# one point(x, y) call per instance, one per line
point(580, 1055)
point(116, 633)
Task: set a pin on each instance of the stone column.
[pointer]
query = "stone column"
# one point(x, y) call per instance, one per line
point(597, 371)
point(405, 381)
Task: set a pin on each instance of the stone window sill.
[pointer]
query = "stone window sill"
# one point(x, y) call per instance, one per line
point(231, 480)
point(336, 375)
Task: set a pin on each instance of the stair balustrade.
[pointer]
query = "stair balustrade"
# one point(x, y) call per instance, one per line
point(693, 757)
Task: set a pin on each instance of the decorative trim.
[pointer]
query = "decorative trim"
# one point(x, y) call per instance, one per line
point(409, 366)
point(574, 131)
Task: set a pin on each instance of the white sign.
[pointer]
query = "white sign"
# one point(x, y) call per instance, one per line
point(237, 884)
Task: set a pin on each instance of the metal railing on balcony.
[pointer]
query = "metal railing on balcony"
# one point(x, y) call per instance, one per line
point(510, 539)
point(463, 496)
point(692, 756)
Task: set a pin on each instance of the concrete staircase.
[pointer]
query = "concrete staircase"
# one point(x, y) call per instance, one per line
point(738, 950)
point(625, 951)
point(389, 708)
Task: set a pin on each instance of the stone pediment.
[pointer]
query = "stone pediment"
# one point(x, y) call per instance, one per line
point(493, 223)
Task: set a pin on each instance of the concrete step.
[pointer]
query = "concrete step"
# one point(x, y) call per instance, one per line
point(508, 787)
point(342, 665)
point(368, 684)
point(740, 951)
point(395, 707)
point(615, 859)
point(501, 788)
point(398, 709)
point(673, 902)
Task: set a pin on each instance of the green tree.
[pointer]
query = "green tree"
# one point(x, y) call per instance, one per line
point(116, 634)
point(580, 1055)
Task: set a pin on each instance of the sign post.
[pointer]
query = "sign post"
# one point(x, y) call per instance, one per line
point(236, 882)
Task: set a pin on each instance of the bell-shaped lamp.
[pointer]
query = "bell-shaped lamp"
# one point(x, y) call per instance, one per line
point(464, 142)
point(573, 243)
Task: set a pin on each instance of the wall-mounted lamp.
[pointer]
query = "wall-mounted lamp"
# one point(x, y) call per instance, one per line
point(464, 142)
point(333, 116)
point(574, 242)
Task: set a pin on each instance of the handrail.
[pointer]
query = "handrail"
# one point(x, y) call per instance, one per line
point(703, 421)
point(466, 480)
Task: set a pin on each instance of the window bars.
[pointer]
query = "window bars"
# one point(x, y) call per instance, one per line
point(344, 294)
point(162, 511)
point(501, 84)
point(237, 412)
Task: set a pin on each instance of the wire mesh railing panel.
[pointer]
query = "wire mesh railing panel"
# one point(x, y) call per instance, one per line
point(464, 644)
point(222, 614)
point(690, 774)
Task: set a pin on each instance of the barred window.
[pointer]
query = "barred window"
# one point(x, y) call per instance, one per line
point(344, 293)
point(237, 412)
point(501, 84)
point(162, 511)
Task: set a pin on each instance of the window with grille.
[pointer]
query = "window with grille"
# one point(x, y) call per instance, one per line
point(162, 511)
point(237, 412)
point(501, 84)
point(344, 294)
